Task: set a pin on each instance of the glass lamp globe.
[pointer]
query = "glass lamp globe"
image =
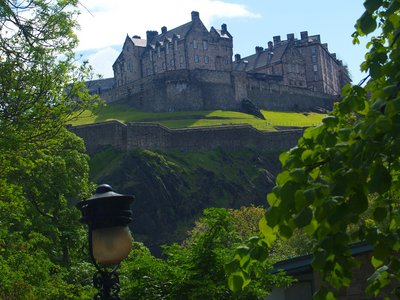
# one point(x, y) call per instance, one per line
point(111, 245)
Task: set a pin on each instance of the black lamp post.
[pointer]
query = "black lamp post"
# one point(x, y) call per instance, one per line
point(107, 215)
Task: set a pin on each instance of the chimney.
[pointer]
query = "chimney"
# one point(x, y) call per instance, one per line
point(290, 37)
point(237, 57)
point(223, 28)
point(277, 40)
point(163, 30)
point(333, 55)
point(325, 45)
point(150, 34)
point(195, 16)
point(259, 49)
point(304, 35)
point(270, 46)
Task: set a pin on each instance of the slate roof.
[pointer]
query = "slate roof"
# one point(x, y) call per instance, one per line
point(223, 35)
point(261, 59)
point(139, 42)
point(179, 31)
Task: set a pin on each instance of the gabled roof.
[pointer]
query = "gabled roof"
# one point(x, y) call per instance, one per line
point(222, 34)
point(278, 52)
point(179, 32)
point(138, 42)
point(262, 58)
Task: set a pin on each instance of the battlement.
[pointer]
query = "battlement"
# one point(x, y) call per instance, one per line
point(128, 136)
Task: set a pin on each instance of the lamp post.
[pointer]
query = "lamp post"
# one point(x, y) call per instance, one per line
point(107, 215)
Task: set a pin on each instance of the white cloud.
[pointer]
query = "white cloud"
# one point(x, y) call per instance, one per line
point(105, 23)
point(109, 21)
point(102, 61)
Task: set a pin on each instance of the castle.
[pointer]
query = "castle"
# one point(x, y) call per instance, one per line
point(191, 68)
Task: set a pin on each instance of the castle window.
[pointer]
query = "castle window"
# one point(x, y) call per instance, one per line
point(196, 58)
point(167, 48)
point(158, 52)
point(315, 68)
point(313, 49)
point(297, 68)
point(151, 56)
point(194, 44)
point(289, 68)
point(205, 45)
point(172, 63)
point(181, 60)
point(206, 59)
point(176, 44)
point(314, 58)
point(156, 69)
point(163, 66)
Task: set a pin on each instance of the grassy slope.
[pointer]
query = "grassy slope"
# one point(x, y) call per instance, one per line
point(199, 118)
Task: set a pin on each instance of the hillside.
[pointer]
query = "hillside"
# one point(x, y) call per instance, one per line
point(199, 118)
point(172, 188)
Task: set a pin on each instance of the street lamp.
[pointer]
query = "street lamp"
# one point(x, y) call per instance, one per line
point(107, 215)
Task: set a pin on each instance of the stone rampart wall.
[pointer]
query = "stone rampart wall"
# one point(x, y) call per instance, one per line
point(154, 136)
point(188, 90)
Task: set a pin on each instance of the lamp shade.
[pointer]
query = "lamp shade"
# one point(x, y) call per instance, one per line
point(108, 214)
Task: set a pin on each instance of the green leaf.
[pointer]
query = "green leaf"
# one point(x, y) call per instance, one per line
point(232, 266)
point(380, 214)
point(330, 121)
point(268, 232)
point(376, 262)
point(273, 216)
point(285, 231)
point(372, 5)
point(304, 218)
point(381, 179)
point(366, 24)
point(236, 281)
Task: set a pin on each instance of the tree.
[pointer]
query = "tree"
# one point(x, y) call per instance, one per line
point(196, 268)
point(43, 166)
point(348, 167)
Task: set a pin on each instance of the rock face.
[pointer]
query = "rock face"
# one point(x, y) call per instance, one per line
point(173, 188)
point(250, 108)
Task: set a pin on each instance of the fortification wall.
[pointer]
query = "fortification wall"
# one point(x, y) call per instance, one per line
point(100, 135)
point(154, 136)
point(188, 90)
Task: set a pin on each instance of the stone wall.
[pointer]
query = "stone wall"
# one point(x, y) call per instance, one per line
point(154, 136)
point(188, 90)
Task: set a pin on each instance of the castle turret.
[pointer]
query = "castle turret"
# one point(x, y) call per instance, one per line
point(259, 49)
point(195, 16)
point(163, 29)
point(150, 34)
point(224, 29)
point(304, 35)
point(270, 46)
point(277, 40)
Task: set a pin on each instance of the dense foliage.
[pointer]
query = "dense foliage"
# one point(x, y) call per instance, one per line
point(196, 268)
point(43, 167)
point(172, 188)
point(341, 183)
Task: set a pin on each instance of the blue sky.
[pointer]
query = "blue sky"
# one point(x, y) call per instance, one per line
point(251, 23)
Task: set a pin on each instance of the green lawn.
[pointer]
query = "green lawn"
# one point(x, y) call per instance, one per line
point(198, 118)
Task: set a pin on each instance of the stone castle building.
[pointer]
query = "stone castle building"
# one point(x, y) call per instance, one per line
point(188, 47)
point(305, 63)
